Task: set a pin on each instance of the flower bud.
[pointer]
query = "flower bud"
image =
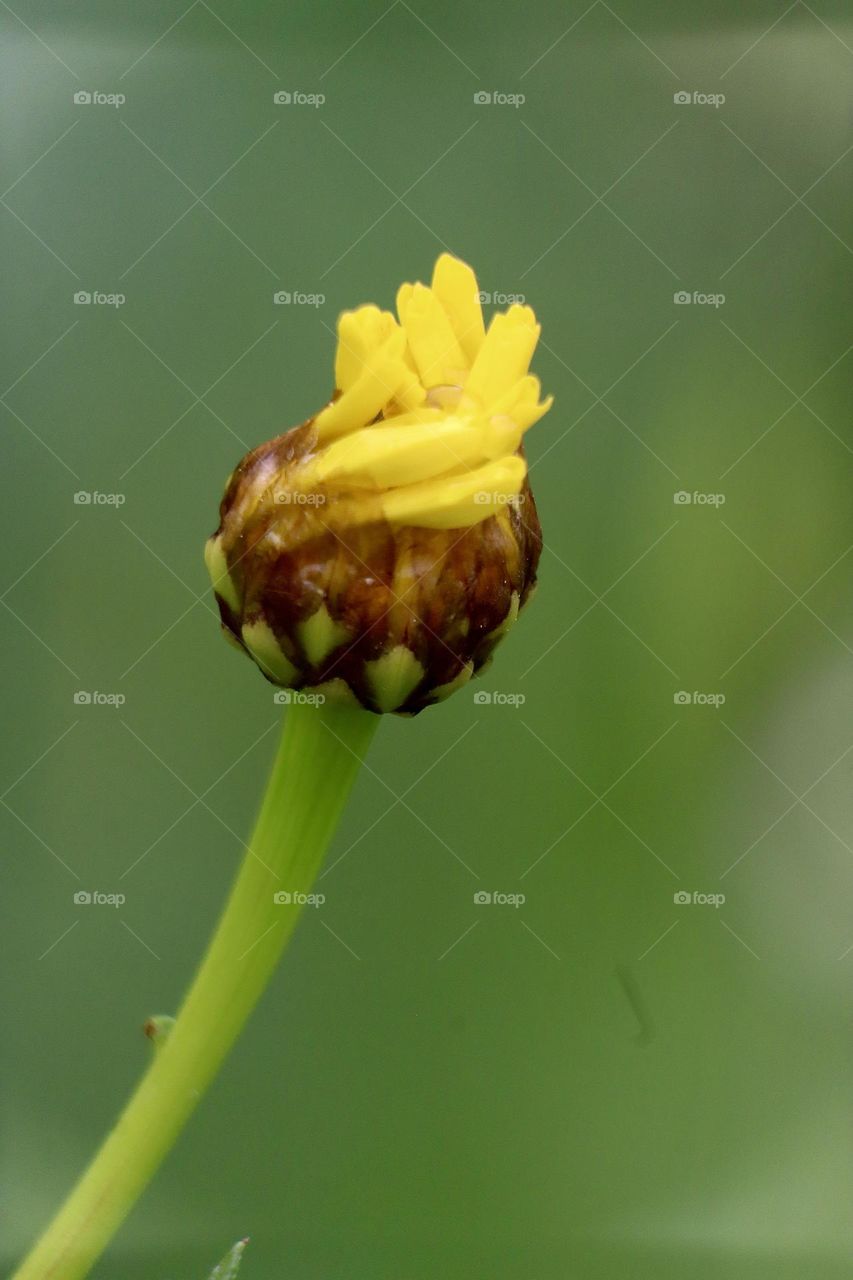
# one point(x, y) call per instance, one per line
point(378, 552)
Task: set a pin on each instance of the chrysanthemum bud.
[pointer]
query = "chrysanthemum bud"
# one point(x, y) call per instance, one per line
point(378, 552)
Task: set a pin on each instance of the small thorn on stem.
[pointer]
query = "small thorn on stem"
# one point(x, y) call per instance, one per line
point(157, 1029)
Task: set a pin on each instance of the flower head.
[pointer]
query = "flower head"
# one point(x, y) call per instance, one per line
point(380, 550)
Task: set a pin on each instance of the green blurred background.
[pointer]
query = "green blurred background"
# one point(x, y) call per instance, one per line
point(601, 1082)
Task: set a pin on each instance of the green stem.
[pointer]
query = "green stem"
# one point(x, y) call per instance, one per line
point(318, 759)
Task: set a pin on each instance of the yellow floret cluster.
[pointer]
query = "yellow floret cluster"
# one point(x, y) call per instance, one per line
point(430, 408)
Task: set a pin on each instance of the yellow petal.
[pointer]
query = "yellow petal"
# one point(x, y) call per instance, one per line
point(528, 415)
point(420, 416)
point(501, 436)
point(404, 294)
point(360, 332)
point(455, 286)
point(382, 373)
point(521, 403)
point(504, 356)
point(390, 455)
point(410, 393)
point(459, 501)
point(430, 336)
point(354, 334)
